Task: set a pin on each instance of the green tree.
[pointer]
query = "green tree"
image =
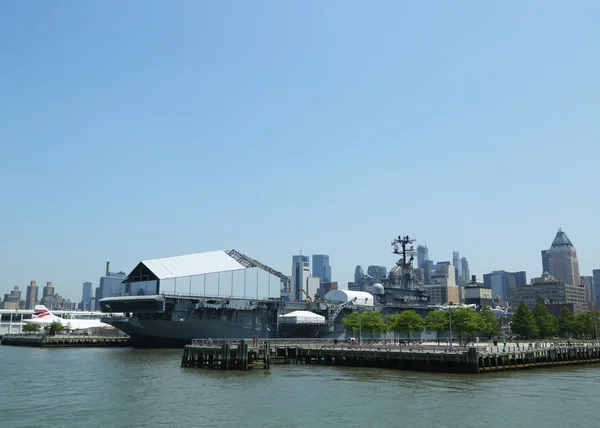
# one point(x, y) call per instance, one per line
point(408, 322)
point(544, 320)
point(522, 322)
point(437, 321)
point(54, 328)
point(567, 324)
point(373, 322)
point(370, 321)
point(30, 328)
point(465, 321)
point(584, 324)
point(491, 327)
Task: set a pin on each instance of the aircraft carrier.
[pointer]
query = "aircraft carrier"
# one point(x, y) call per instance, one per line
point(226, 294)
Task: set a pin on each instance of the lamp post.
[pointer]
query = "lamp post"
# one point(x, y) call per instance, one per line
point(450, 315)
point(359, 326)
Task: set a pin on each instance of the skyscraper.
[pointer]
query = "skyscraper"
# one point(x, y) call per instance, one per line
point(596, 276)
point(501, 283)
point(358, 273)
point(86, 296)
point(588, 283)
point(422, 255)
point(562, 259)
point(321, 268)
point(48, 294)
point(457, 264)
point(466, 273)
point(545, 261)
point(300, 275)
point(32, 295)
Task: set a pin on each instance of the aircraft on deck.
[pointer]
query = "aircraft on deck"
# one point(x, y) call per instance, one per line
point(43, 317)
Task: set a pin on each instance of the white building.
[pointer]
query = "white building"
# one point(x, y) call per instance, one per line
point(300, 275)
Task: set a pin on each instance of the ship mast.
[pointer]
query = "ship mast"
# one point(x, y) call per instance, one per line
point(406, 260)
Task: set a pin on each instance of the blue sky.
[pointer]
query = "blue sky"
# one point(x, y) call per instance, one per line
point(134, 130)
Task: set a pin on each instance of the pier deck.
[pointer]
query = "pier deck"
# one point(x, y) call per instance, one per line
point(428, 357)
point(62, 341)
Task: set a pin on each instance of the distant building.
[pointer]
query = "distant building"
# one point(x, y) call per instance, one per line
point(596, 276)
point(48, 295)
point(501, 283)
point(549, 290)
point(443, 288)
point(562, 259)
point(321, 268)
point(86, 296)
point(477, 295)
point(588, 283)
point(358, 273)
point(312, 287)
point(428, 269)
point(377, 272)
point(466, 273)
point(326, 287)
point(457, 265)
point(12, 300)
point(545, 261)
point(300, 275)
point(31, 298)
point(520, 278)
point(111, 284)
point(422, 255)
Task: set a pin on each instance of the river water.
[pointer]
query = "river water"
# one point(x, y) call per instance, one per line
point(147, 388)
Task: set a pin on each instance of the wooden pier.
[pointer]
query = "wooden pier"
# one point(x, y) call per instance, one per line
point(242, 355)
point(63, 341)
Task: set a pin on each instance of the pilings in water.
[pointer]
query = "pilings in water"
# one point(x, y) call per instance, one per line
point(63, 341)
point(225, 356)
point(473, 360)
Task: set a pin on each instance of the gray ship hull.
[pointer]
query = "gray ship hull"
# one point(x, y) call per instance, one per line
point(164, 333)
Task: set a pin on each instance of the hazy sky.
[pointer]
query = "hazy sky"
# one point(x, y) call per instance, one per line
point(140, 129)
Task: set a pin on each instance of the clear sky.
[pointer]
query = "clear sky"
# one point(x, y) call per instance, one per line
point(140, 129)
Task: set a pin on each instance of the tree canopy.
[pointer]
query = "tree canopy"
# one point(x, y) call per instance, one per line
point(371, 322)
point(465, 321)
point(491, 327)
point(30, 328)
point(566, 322)
point(437, 321)
point(408, 322)
point(544, 320)
point(522, 322)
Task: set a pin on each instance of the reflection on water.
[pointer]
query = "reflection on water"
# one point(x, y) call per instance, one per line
point(146, 388)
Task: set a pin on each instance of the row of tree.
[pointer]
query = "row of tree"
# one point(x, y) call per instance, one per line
point(464, 322)
point(541, 323)
point(52, 329)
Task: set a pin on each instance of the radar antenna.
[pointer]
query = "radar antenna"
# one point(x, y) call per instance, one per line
point(406, 260)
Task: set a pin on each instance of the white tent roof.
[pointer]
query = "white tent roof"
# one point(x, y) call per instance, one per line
point(362, 298)
point(192, 264)
point(302, 314)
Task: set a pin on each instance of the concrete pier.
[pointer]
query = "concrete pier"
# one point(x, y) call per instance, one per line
point(62, 341)
point(430, 358)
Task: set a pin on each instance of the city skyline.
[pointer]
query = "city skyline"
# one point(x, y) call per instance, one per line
point(163, 130)
point(343, 279)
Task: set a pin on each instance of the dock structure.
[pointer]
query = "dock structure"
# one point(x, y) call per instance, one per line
point(474, 359)
point(63, 341)
point(223, 355)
